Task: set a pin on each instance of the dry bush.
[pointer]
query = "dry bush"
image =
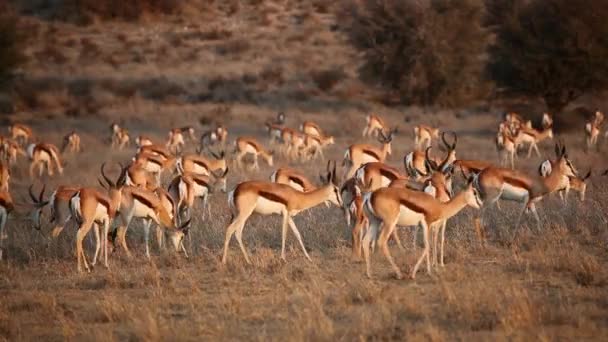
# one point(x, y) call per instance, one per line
point(87, 11)
point(233, 47)
point(326, 80)
point(11, 41)
point(51, 53)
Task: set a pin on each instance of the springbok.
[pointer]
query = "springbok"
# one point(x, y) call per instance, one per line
point(359, 154)
point(374, 125)
point(143, 140)
point(71, 143)
point(424, 135)
point(20, 133)
point(415, 162)
point(44, 155)
point(388, 207)
point(6, 207)
point(244, 145)
point(532, 138)
point(120, 136)
point(293, 178)
point(268, 198)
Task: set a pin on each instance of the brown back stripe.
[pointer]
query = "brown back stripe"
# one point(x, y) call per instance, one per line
point(371, 153)
point(45, 149)
point(272, 197)
point(200, 182)
point(142, 199)
point(103, 202)
point(388, 174)
point(516, 182)
point(297, 181)
point(411, 205)
point(201, 163)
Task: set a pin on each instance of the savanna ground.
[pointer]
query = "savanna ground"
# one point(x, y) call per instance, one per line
point(240, 69)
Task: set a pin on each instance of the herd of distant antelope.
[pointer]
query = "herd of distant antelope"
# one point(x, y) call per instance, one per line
point(375, 197)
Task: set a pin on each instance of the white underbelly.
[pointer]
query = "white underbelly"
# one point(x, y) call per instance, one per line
point(200, 170)
point(267, 207)
point(408, 217)
point(101, 212)
point(384, 182)
point(142, 210)
point(153, 167)
point(200, 191)
point(513, 193)
point(296, 186)
point(250, 149)
point(366, 158)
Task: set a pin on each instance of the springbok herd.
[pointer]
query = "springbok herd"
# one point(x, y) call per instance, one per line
point(374, 197)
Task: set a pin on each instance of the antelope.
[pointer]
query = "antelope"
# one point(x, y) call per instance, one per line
point(578, 183)
point(547, 121)
point(274, 133)
point(293, 178)
point(222, 134)
point(92, 208)
point(296, 145)
point(155, 164)
point(423, 136)
point(143, 140)
point(6, 207)
point(377, 175)
point(515, 121)
point(374, 125)
point(506, 147)
point(313, 145)
point(415, 162)
point(5, 176)
point(498, 183)
point(155, 150)
point(244, 145)
point(267, 198)
point(311, 128)
point(592, 132)
point(207, 139)
point(389, 207)
point(359, 154)
point(141, 203)
point(198, 164)
point(44, 155)
point(10, 150)
point(186, 187)
point(71, 143)
point(20, 133)
point(120, 136)
point(176, 140)
point(532, 137)
point(137, 175)
point(471, 166)
point(59, 203)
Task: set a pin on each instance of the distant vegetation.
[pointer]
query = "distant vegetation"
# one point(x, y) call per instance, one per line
point(10, 45)
point(435, 52)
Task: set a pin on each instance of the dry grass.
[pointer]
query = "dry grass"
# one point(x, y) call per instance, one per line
point(239, 68)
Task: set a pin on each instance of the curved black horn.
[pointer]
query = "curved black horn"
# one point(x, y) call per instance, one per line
point(428, 160)
point(31, 193)
point(41, 196)
point(103, 174)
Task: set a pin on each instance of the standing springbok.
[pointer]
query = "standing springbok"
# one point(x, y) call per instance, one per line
point(313, 145)
point(498, 183)
point(267, 198)
point(59, 202)
point(245, 145)
point(5, 176)
point(416, 161)
point(506, 146)
point(293, 178)
point(188, 186)
point(91, 208)
point(532, 138)
point(388, 207)
point(424, 135)
point(176, 141)
point(359, 154)
point(592, 129)
point(311, 128)
point(197, 163)
point(120, 136)
point(374, 125)
point(6, 207)
point(44, 155)
point(71, 143)
point(9, 150)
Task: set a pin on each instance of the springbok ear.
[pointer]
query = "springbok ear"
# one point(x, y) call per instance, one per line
point(545, 168)
point(557, 150)
point(429, 188)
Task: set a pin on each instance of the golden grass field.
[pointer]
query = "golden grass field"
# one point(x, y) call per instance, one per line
point(155, 75)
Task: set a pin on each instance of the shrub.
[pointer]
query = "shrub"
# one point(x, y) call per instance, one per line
point(10, 45)
point(327, 79)
point(428, 51)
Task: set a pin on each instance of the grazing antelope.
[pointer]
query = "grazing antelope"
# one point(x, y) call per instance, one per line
point(416, 161)
point(311, 128)
point(359, 154)
point(44, 155)
point(20, 133)
point(59, 202)
point(498, 183)
point(143, 140)
point(293, 178)
point(374, 125)
point(196, 163)
point(313, 145)
point(377, 175)
point(270, 198)
point(388, 207)
point(6, 207)
point(120, 136)
point(5, 176)
point(141, 203)
point(532, 137)
point(423, 136)
point(71, 143)
point(244, 145)
point(91, 208)
point(154, 163)
point(137, 175)
point(156, 150)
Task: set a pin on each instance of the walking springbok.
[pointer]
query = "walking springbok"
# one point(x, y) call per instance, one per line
point(71, 143)
point(20, 133)
point(268, 198)
point(244, 145)
point(120, 136)
point(374, 125)
point(423, 136)
point(44, 155)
